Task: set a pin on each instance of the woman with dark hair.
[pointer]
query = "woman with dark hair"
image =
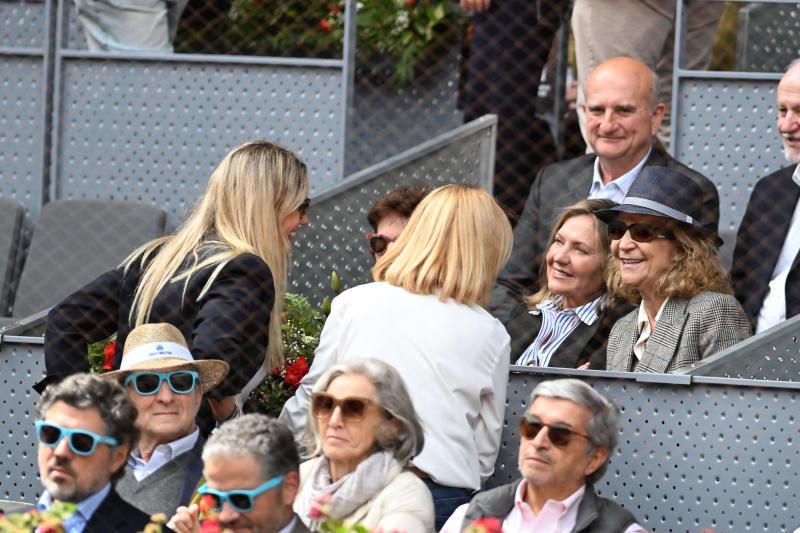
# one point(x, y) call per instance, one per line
point(567, 322)
point(668, 263)
point(389, 215)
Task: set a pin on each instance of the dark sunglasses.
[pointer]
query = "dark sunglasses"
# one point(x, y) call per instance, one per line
point(639, 232)
point(378, 243)
point(351, 408)
point(303, 209)
point(80, 441)
point(558, 435)
point(148, 383)
point(240, 500)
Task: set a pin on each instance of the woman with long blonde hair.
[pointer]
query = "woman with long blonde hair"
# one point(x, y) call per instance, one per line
point(220, 278)
point(425, 316)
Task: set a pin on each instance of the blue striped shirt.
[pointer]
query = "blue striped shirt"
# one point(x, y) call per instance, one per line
point(557, 325)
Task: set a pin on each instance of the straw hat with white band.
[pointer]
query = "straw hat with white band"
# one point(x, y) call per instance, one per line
point(162, 347)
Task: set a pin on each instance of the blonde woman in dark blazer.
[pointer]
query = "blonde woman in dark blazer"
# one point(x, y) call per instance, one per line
point(667, 262)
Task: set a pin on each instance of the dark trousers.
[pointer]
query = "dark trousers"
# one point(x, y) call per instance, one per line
point(446, 500)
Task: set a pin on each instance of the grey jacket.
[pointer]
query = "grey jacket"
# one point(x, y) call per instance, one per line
point(687, 331)
point(595, 514)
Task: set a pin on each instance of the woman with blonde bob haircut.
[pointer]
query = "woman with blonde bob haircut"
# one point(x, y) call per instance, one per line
point(220, 278)
point(423, 315)
point(363, 431)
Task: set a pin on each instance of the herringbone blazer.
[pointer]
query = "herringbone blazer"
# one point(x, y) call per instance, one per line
point(556, 187)
point(687, 331)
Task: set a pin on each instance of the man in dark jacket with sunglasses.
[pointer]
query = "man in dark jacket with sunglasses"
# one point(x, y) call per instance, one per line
point(85, 431)
point(559, 460)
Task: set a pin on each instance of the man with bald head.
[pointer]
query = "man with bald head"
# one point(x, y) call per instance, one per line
point(766, 261)
point(623, 116)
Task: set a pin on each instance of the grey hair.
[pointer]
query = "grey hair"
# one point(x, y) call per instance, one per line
point(265, 439)
point(603, 427)
point(85, 391)
point(405, 439)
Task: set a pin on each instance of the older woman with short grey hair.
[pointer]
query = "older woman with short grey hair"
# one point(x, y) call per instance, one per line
point(363, 431)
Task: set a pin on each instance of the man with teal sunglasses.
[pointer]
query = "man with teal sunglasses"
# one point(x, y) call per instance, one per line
point(166, 384)
point(251, 466)
point(85, 431)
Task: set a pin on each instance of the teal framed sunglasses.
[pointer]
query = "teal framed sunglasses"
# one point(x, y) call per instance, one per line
point(240, 500)
point(148, 383)
point(80, 441)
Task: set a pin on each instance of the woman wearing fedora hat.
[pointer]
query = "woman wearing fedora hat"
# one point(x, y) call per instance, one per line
point(220, 279)
point(666, 261)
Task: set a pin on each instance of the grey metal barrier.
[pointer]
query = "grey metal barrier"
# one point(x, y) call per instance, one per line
point(694, 452)
point(335, 239)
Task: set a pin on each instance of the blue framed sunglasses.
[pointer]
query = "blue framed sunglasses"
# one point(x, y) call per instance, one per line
point(80, 441)
point(240, 500)
point(148, 383)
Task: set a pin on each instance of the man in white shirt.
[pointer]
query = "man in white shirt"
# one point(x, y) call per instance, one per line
point(766, 262)
point(166, 384)
point(560, 458)
point(623, 116)
point(252, 472)
point(85, 431)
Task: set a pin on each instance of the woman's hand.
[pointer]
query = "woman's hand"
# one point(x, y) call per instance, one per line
point(223, 409)
point(186, 520)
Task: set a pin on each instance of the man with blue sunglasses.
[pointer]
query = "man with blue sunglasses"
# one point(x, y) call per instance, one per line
point(85, 431)
point(251, 467)
point(166, 384)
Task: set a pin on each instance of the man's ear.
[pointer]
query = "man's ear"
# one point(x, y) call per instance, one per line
point(119, 456)
point(658, 116)
point(290, 487)
point(596, 459)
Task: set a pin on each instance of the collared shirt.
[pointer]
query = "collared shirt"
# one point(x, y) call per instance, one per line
point(554, 517)
point(644, 327)
point(618, 188)
point(85, 509)
point(557, 325)
point(773, 308)
point(290, 526)
point(163, 454)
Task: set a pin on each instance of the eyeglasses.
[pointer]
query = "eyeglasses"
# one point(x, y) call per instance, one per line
point(240, 500)
point(558, 435)
point(639, 232)
point(148, 383)
point(303, 209)
point(378, 243)
point(80, 441)
point(351, 408)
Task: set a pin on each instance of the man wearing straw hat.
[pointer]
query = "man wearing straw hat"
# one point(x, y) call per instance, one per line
point(167, 385)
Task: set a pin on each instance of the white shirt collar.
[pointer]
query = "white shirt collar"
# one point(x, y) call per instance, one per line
point(587, 313)
point(573, 500)
point(796, 175)
point(163, 454)
point(617, 188)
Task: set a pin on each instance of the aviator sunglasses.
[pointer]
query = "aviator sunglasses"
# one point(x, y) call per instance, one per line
point(378, 243)
point(558, 435)
point(148, 383)
point(303, 209)
point(80, 441)
point(639, 232)
point(351, 408)
point(240, 500)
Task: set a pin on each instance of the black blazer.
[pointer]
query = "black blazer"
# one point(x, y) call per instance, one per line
point(759, 242)
point(230, 322)
point(586, 343)
point(117, 515)
point(558, 186)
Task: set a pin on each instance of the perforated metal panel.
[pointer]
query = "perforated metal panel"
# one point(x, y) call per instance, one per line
point(22, 129)
point(726, 130)
point(768, 37)
point(690, 456)
point(335, 238)
point(21, 365)
point(772, 355)
point(387, 119)
point(22, 25)
point(152, 131)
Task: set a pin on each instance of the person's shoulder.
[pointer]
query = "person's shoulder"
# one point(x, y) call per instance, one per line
point(708, 300)
point(777, 181)
point(569, 166)
point(247, 261)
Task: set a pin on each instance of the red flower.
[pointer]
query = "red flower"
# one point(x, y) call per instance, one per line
point(210, 525)
point(325, 24)
point(108, 355)
point(206, 503)
point(485, 525)
point(296, 371)
point(410, 3)
point(334, 9)
point(47, 529)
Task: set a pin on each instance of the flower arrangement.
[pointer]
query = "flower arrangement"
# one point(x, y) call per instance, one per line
point(484, 525)
point(404, 32)
point(101, 355)
point(49, 521)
